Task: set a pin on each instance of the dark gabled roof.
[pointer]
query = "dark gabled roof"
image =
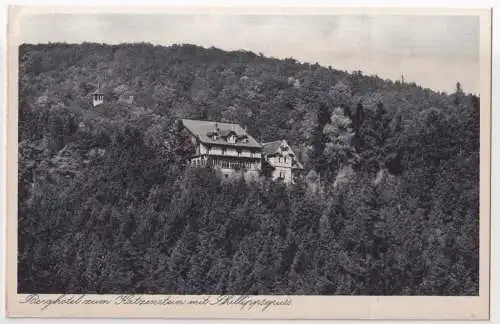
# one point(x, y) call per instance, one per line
point(98, 89)
point(271, 147)
point(203, 129)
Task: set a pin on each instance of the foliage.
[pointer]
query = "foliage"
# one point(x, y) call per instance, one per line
point(108, 205)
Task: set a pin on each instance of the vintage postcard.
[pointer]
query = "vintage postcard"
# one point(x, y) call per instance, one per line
point(248, 162)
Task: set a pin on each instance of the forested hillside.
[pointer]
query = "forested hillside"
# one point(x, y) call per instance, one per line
point(388, 205)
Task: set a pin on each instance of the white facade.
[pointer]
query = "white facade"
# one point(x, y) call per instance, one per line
point(225, 155)
point(230, 150)
point(284, 174)
point(202, 149)
point(282, 161)
point(97, 99)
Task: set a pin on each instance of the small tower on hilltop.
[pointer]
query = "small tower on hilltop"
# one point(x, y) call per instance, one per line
point(98, 96)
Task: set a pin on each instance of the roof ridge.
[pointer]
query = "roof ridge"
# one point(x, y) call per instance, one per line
point(202, 128)
point(211, 121)
point(272, 142)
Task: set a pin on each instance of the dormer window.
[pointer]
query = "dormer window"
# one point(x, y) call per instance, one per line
point(231, 139)
point(215, 136)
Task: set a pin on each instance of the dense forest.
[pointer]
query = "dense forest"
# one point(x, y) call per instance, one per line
point(388, 203)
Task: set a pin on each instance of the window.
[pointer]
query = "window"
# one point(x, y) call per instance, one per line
point(223, 151)
point(282, 176)
point(280, 159)
point(284, 159)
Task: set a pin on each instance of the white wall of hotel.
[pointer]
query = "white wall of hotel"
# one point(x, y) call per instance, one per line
point(227, 151)
point(282, 173)
point(229, 169)
point(223, 163)
point(279, 161)
point(282, 168)
point(221, 152)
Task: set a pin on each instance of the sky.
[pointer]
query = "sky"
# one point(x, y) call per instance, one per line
point(434, 51)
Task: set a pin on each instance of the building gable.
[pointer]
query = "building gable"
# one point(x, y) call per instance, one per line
point(281, 149)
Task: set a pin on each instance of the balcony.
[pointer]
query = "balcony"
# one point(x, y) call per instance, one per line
point(226, 163)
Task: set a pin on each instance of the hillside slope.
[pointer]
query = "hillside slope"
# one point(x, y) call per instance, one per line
point(106, 205)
